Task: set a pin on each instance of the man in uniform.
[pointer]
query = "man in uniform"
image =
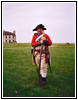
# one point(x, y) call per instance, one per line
point(38, 39)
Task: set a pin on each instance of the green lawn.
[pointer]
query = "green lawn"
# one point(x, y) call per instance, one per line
point(20, 76)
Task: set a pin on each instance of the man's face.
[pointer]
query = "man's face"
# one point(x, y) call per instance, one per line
point(40, 31)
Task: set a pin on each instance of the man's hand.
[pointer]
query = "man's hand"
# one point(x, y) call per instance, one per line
point(42, 40)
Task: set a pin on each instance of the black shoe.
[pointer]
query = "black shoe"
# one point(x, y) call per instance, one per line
point(43, 81)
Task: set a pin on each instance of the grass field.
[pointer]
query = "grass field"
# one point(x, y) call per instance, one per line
point(20, 76)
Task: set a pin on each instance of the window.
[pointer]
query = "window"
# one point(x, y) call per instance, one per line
point(13, 40)
point(6, 37)
point(9, 41)
point(6, 41)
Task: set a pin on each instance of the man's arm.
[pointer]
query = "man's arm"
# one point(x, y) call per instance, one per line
point(48, 40)
point(34, 43)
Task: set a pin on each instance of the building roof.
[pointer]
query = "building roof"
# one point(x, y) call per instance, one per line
point(8, 33)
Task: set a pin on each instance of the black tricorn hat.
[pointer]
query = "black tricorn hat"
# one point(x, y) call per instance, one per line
point(39, 26)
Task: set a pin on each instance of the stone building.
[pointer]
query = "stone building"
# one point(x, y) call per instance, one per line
point(9, 37)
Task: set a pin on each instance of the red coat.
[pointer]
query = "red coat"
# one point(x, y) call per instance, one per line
point(34, 43)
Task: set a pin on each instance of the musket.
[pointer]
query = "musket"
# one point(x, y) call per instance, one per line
point(40, 65)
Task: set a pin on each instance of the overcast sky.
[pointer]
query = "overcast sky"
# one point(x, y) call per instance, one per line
point(58, 18)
